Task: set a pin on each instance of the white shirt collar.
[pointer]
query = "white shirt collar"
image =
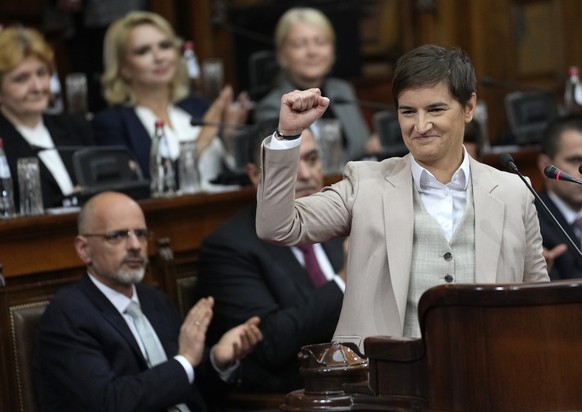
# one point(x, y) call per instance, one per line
point(569, 214)
point(424, 180)
point(119, 300)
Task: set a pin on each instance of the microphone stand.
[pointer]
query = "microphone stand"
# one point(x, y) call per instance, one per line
point(508, 162)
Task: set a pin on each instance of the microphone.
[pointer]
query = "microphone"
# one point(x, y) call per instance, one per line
point(202, 123)
point(507, 160)
point(70, 148)
point(552, 172)
point(362, 103)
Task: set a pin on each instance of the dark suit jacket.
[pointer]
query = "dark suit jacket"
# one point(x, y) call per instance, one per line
point(65, 131)
point(248, 277)
point(567, 265)
point(119, 125)
point(88, 360)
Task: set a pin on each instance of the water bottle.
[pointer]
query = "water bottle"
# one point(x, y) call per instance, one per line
point(573, 92)
point(192, 65)
point(6, 186)
point(56, 104)
point(163, 180)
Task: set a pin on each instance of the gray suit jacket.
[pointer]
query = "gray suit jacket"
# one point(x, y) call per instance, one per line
point(373, 205)
point(350, 116)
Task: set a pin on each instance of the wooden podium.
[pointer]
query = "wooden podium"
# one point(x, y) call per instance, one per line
point(494, 347)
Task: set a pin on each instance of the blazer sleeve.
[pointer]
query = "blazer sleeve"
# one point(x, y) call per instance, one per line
point(313, 219)
point(109, 128)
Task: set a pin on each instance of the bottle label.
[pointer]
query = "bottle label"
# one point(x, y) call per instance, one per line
point(4, 169)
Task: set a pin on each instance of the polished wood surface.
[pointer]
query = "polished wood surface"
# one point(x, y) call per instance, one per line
point(45, 243)
point(502, 347)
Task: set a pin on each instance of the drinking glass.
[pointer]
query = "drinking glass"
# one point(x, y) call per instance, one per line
point(76, 89)
point(188, 168)
point(329, 141)
point(29, 186)
point(212, 77)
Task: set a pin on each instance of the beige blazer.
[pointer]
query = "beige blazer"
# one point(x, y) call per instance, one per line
point(373, 205)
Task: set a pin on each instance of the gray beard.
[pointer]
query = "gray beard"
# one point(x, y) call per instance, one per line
point(129, 277)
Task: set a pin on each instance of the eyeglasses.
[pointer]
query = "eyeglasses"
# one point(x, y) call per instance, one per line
point(117, 236)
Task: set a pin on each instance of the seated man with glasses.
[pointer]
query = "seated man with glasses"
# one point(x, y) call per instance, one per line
point(110, 343)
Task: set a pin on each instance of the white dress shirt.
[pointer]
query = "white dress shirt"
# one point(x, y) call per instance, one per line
point(40, 137)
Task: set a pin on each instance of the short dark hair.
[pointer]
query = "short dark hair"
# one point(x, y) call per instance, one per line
point(553, 131)
point(429, 65)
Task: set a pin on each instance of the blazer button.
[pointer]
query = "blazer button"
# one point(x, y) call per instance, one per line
point(448, 256)
point(448, 278)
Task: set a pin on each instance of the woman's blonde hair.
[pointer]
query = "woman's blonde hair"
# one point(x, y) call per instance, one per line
point(302, 14)
point(115, 88)
point(17, 43)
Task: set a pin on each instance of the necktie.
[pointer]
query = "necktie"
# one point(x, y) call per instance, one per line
point(312, 266)
point(154, 351)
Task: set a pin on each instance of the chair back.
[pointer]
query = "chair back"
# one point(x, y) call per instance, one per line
point(263, 72)
point(101, 168)
point(528, 114)
point(511, 347)
point(24, 321)
point(386, 125)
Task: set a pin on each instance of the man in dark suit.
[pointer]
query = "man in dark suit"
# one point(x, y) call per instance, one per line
point(249, 277)
point(94, 355)
point(561, 146)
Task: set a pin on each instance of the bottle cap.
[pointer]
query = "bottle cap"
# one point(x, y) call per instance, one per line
point(573, 71)
point(188, 45)
point(159, 123)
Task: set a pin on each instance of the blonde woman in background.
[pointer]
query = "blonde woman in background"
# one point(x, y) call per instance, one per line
point(305, 43)
point(144, 81)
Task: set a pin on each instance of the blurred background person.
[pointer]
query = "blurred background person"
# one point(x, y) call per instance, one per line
point(145, 80)
point(83, 24)
point(26, 64)
point(561, 146)
point(473, 139)
point(250, 277)
point(305, 44)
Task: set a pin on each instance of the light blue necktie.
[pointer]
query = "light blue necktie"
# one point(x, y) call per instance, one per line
point(154, 351)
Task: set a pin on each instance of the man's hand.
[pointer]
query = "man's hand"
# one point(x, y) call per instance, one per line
point(551, 254)
point(193, 331)
point(299, 109)
point(237, 343)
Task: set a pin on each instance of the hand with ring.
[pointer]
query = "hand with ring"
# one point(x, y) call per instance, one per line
point(193, 331)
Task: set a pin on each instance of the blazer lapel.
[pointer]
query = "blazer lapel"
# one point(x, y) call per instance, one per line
point(110, 314)
point(398, 216)
point(489, 222)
